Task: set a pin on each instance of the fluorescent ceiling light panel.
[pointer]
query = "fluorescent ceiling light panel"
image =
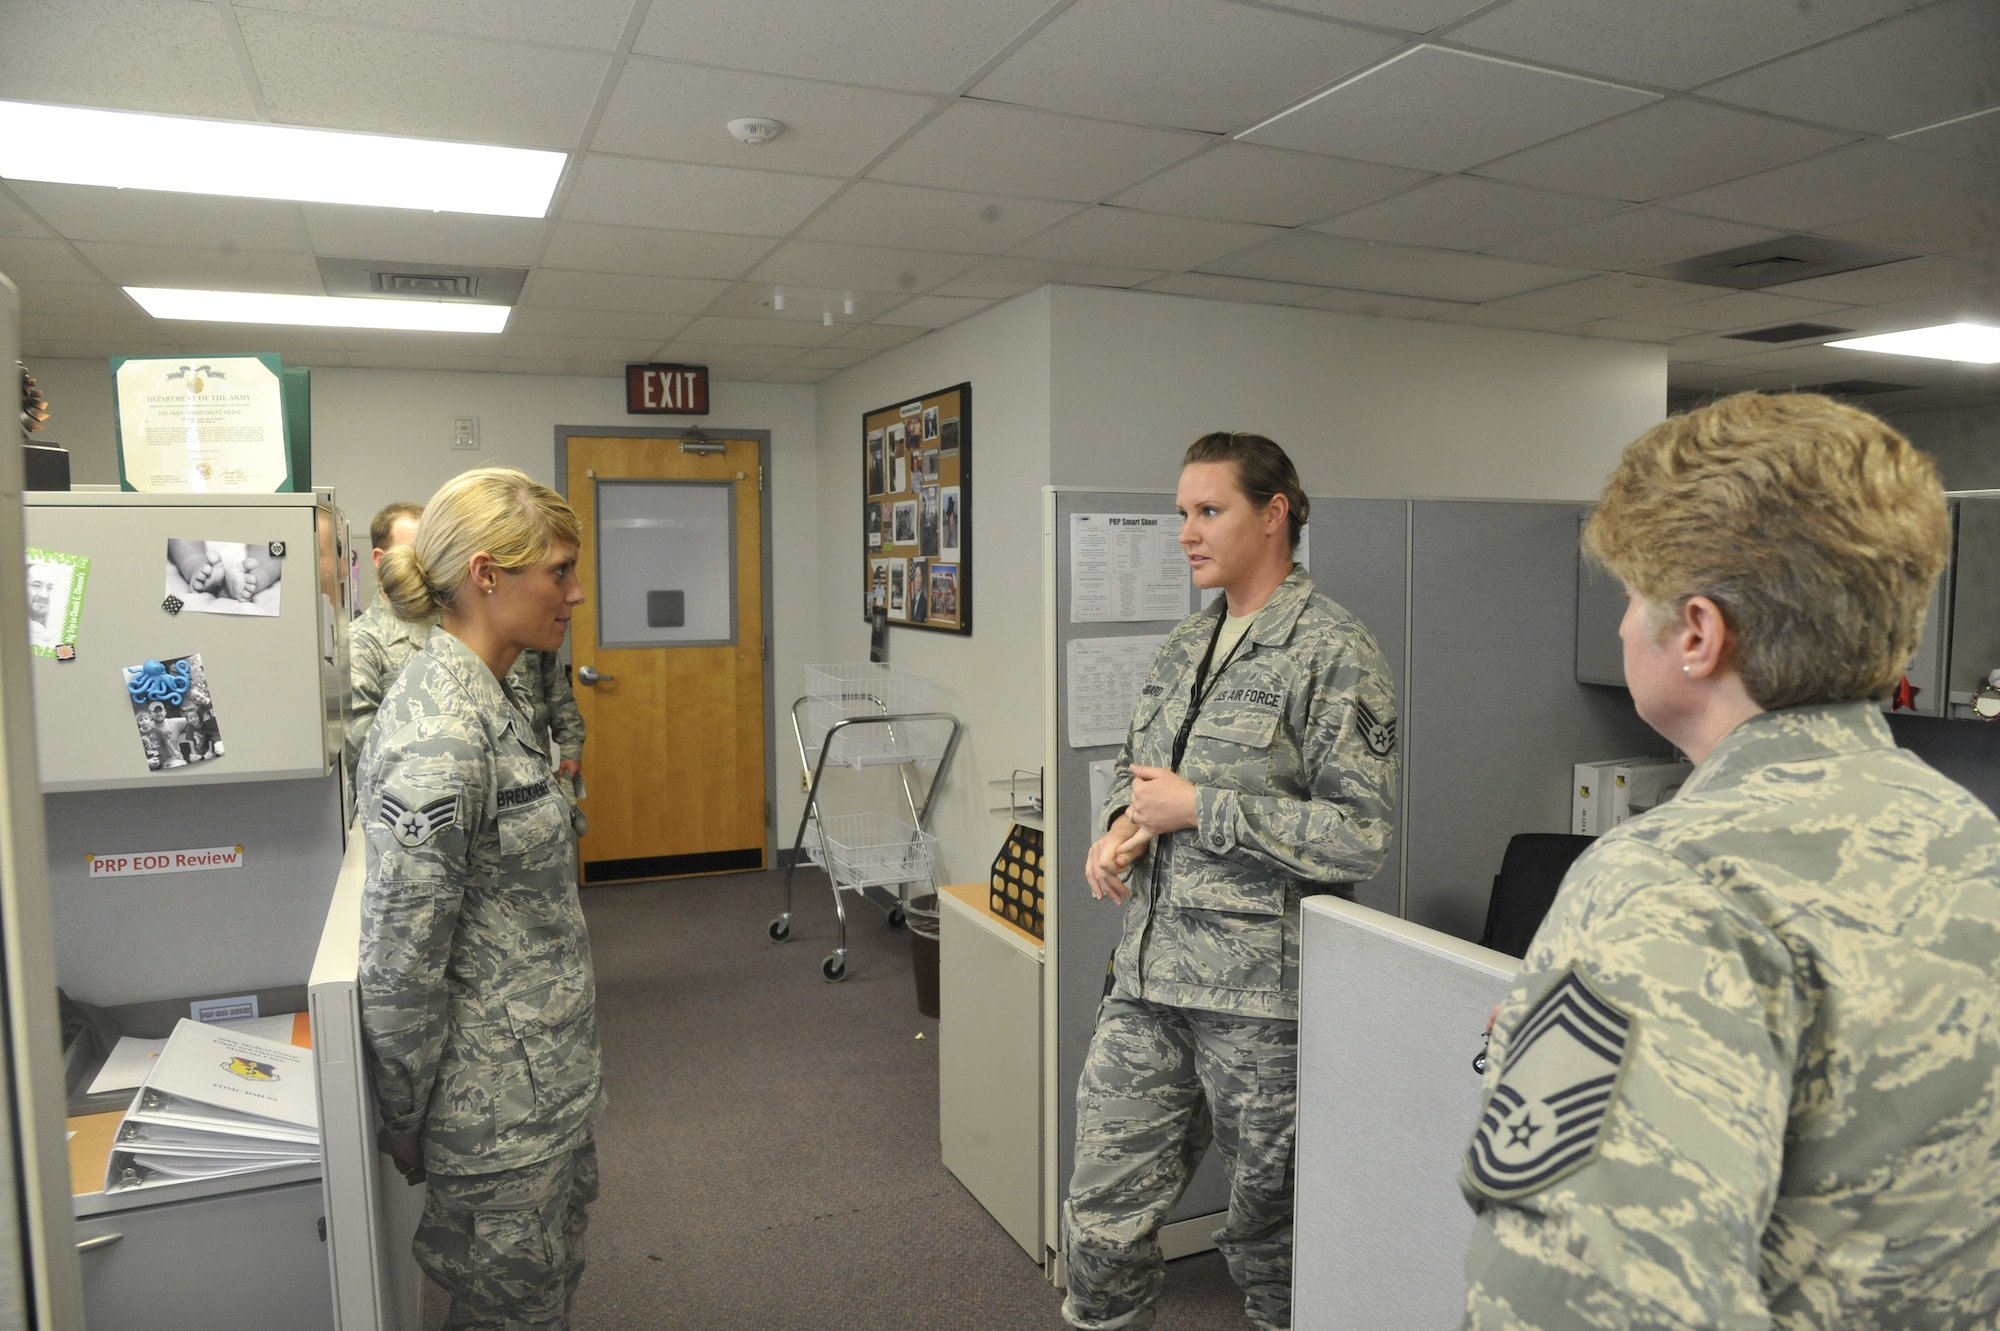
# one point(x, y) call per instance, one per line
point(259, 307)
point(72, 145)
point(1976, 343)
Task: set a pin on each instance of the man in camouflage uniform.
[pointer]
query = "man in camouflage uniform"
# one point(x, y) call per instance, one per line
point(1750, 1073)
point(380, 645)
point(477, 991)
point(1293, 761)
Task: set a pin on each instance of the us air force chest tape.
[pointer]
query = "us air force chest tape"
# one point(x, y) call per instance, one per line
point(1546, 1115)
point(413, 827)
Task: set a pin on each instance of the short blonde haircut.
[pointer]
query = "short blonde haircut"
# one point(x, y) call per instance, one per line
point(505, 513)
point(1815, 527)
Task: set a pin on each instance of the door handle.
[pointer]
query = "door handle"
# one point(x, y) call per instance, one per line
point(100, 1241)
point(589, 675)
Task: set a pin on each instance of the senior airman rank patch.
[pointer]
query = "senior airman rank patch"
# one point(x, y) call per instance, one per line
point(1546, 1115)
point(413, 827)
point(1377, 734)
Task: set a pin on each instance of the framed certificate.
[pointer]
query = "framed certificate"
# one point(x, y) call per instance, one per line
point(202, 424)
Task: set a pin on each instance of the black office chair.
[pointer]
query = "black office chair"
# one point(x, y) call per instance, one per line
point(1525, 888)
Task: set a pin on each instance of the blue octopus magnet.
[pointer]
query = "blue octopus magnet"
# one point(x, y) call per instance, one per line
point(154, 682)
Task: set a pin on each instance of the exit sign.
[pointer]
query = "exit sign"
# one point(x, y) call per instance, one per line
point(666, 390)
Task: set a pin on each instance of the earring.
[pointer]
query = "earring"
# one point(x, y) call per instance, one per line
point(489, 592)
point(1687, 670)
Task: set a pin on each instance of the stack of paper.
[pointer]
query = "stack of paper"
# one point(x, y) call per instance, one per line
point(217, 1101)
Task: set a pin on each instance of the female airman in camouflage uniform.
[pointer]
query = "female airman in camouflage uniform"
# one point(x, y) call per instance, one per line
point(478, 996)
point(1260, 767)
point(1750, 1074)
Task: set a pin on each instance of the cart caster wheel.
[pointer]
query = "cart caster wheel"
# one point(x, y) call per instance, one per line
point(781, 929)
point(896, 917)
point(834, 968)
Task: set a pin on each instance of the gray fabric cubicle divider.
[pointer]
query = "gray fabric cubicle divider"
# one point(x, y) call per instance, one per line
point(1389, 1018)
point(1494, 717)
point(1358, 554)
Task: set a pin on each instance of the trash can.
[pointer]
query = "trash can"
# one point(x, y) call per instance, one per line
point(921, 913)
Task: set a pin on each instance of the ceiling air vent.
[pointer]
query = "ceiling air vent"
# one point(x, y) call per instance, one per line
point(1770, 262)
point(402, 280)
point(1786, 333)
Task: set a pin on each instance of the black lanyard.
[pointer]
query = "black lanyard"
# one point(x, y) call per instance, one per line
point(1203, 685)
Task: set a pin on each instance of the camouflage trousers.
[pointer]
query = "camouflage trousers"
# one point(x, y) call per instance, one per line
point(1158, 1084)
point(508, 1246)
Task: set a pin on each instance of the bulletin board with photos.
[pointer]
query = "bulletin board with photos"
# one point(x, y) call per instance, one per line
point(916, 494)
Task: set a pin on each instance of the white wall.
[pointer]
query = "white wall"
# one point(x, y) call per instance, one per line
point(993, 678)
point(380, 435)
point(1364, 406)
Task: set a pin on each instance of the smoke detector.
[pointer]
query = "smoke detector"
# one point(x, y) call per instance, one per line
point(756, 130)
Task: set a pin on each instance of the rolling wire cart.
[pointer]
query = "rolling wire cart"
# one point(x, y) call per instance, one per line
point(859, 716)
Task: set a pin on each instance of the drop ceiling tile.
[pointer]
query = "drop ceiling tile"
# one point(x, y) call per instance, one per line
point(626, 324)
point(1670, 147)
point(933, 311)
point(681, 113)
point(88, 328)
point(1247, 290)
point(1927, 275)
point(16, 220)
point(1746, 310)
point(909, 217)
point(796, 374)
point(1672, 45)
point(760, 300)
point(410, 344)
point(622, 191)
point(918, 45)
point(1635, 238)
point(733, 355)
point(88, 212)
point(1976, 306)
point(37, 349)
point(757, 332)
point(816, 263)
point(1976, 137)
point(92, 297)
point(1466, 213)
point(997, 279)
point(1008, 150)
point(1440, 110)
point(1840, 186)
point(597, 24)
point(1813, 356)
point(167, 56)
point(1493, 316)
point(1417, 16)
point(1624, 330)
point(1915, 70)
point(26, 259)
point(1378, 305)
point(1129, 60)
point(1333, 261)
point(877, 337)
point(583, 348)
point(1247, 182)
point(1932, 228)
point(404, 234)
point(1110, 236)
point(1609, 296)
point(563, 289)
point(833, 358)
point(433, 360)
point(653, 252)
point(336, 76)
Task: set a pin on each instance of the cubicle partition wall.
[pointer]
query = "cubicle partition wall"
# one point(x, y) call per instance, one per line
point(1474, 605)
point(1389, 1018)
point(1493, 717)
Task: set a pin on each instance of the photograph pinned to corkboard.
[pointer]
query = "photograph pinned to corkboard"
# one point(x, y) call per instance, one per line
point(916, 496)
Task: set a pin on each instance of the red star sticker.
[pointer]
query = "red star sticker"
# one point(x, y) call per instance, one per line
point(1906, 695)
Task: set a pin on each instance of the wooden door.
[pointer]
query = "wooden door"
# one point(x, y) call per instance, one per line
point(668, 656)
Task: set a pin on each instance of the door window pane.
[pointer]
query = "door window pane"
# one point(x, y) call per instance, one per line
point(666, 563)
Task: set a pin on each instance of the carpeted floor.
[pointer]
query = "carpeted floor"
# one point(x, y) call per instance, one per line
point(770, 1154)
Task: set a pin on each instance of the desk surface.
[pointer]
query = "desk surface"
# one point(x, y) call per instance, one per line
point(977, 897)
